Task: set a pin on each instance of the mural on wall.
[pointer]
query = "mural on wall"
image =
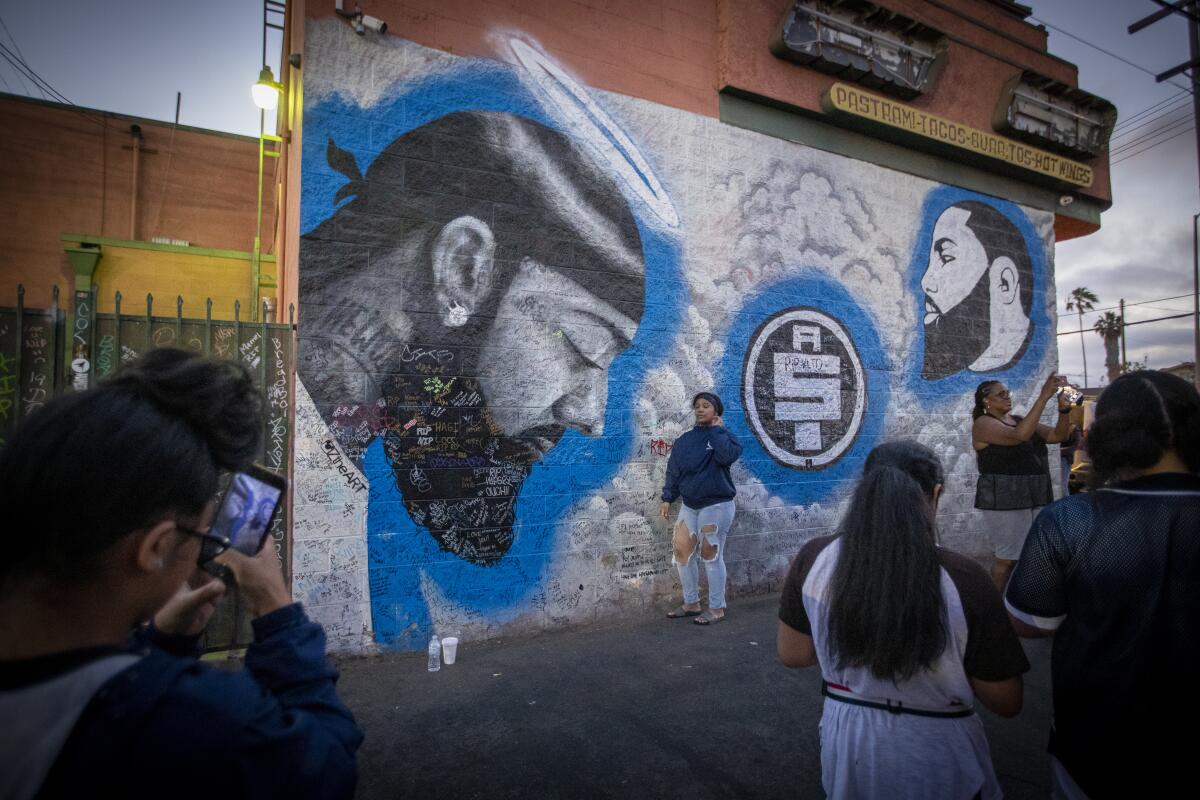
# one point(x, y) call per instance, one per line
point(980, 269)
point(510, 288)
point(503, 338)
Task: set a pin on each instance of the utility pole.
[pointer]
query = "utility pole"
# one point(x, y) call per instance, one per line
point(1191, 10)
point(1124, 360)
point(1194, 50)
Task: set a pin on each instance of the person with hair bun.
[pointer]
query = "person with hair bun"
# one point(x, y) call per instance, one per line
point(907, 636)
point(698, 471)
point(1114, 576)
point(109, 496)
point(1014, 468)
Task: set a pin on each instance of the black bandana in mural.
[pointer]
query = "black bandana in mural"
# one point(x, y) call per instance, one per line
point(956, 338)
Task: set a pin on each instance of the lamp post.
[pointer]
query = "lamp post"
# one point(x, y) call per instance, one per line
point(1195, 303)
point(265, 92)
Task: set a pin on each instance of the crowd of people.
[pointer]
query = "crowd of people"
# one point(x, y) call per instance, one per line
point(1113, 574)
point(102, 606)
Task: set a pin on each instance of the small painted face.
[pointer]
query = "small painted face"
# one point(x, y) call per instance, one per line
point(998, 399)
point(545, 363)
point(957, 262)
point(704, 411)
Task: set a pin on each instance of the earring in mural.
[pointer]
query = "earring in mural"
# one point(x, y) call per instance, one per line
point(456, 314)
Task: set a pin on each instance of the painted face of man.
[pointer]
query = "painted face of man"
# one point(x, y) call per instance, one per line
point(545, 363)
point(957, 263)
point(957, 315)
point(542, 368)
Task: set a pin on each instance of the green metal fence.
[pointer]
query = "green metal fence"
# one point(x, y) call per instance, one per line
point(45, 352)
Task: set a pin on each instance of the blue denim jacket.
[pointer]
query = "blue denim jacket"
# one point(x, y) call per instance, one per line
point(171, 726)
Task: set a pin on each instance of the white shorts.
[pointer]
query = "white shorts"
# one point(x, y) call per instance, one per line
point(1007, 530)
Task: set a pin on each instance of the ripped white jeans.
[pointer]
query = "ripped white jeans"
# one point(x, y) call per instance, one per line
point(707, 528)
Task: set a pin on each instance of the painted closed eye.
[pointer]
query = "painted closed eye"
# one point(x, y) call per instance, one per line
point(944, 248)
point(596, 345)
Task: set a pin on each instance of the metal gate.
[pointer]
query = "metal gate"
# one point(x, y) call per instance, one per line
point(45, 352)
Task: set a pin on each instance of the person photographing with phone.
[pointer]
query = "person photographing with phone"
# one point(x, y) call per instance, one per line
point(1014, 468)
point(105, 586)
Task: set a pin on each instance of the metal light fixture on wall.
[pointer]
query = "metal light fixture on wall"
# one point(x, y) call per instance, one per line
point(266, 90)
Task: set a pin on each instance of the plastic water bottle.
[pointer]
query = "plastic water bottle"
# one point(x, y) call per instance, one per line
point(435, 654)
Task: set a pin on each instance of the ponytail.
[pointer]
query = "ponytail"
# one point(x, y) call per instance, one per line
point(886, 610)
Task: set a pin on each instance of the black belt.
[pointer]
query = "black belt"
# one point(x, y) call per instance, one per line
point(894, 707)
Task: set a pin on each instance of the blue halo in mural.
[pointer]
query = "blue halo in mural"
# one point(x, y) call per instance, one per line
point(406, 566)
point(805, 386)
point(994, 324)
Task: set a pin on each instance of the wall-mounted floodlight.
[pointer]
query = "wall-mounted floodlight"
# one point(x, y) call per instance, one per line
point(359, 21)
point(266, 91)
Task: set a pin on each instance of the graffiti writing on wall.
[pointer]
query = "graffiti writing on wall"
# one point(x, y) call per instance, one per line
point(510, 284)
point(499, 345)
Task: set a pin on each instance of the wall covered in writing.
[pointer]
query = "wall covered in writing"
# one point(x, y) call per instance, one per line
point(512, 285)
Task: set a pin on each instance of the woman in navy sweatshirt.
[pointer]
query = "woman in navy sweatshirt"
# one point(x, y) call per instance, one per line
point(698, 471)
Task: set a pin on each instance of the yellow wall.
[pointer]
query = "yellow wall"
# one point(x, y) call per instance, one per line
point(166, 271)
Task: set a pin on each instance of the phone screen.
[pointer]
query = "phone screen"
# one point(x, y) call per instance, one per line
point(247, 511)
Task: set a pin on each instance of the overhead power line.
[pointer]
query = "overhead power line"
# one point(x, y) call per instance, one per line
point(1151, 147)
point(1138, 303)
point(1173, 98)
point(1109, 53)
point(1146, 137)
point(1129, 324)
point(1153, 120)
point(20, 77)
point(19, 64)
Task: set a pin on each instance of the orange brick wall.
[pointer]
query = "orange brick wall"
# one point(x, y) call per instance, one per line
point(681, 53)
point(659, 50)
point(67, 171)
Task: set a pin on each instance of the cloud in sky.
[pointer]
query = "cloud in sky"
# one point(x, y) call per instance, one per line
point(1143, 250)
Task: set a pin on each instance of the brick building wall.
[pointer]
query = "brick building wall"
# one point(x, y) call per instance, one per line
point(65, 170)
point(512, 280)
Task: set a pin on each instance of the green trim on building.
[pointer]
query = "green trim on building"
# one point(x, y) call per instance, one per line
point(755, 114)
point(83, 262)
point(165, 248)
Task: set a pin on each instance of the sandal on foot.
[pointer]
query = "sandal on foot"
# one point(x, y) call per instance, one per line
point(682, 612)
point(708, 618)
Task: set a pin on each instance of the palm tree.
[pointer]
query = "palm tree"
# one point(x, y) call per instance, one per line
point(1082, 300)
point(1109, 327)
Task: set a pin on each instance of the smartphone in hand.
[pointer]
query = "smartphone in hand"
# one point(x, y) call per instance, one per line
point(247, 511)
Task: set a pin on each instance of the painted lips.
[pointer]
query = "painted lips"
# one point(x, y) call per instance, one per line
point(932, 312)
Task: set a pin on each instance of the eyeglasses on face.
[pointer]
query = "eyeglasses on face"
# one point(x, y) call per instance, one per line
point(1003, 395)
point(211, 545)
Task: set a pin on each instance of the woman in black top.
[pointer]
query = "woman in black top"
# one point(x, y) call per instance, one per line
point(1014, 472)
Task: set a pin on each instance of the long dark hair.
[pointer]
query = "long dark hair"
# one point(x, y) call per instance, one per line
point(886, 611)
point(980, 395)
point(1139, 417)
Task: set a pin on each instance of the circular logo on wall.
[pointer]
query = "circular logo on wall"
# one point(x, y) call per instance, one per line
point(803, 388)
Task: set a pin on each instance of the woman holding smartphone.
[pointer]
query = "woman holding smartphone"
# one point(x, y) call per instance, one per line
point(907, 636)
point(1014, 468)
point(698, 471)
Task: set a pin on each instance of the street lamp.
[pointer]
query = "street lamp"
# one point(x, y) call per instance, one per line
point(266, 91)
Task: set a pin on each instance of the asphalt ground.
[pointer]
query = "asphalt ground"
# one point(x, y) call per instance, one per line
point(651, 709)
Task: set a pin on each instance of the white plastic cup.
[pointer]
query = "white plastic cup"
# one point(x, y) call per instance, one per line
point(449, 649)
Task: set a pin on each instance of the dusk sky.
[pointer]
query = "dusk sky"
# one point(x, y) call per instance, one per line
point(132, 56)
